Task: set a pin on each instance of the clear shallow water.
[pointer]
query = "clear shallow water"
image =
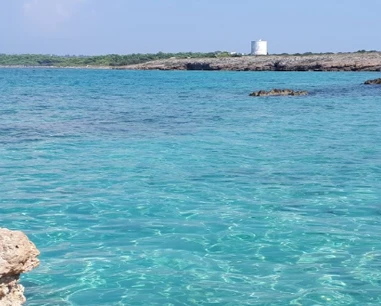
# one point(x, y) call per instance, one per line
point(176, 188)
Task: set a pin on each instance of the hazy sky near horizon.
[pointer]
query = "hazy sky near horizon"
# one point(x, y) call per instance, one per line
point(149, 26)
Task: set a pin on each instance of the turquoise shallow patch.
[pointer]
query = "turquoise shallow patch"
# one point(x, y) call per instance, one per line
point(177, 188)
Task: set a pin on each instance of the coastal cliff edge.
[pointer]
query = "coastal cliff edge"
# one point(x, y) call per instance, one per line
point(370, 61)
point(17, 255)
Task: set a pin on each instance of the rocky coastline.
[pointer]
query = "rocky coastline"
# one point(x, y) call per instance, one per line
point(369, 61)
point(17, 255)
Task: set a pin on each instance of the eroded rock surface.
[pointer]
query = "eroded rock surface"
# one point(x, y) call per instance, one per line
point(17, 255)
point(373, 82)
point(369, 61)
point(278, 92)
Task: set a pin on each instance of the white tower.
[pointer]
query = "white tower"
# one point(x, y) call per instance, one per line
point(259, 47)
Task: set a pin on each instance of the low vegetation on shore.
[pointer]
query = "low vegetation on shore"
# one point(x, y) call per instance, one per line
point(111, 60)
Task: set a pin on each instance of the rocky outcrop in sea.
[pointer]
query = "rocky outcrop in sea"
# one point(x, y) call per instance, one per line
point(17, 255)
point(373, 82)
point(278, 92)
point(369, 61)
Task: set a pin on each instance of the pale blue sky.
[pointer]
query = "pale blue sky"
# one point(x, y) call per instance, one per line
point(145, 26)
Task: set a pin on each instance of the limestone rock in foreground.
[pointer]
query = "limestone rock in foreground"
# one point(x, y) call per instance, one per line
point(17, 255)
point(278, 92)
point(373, 82)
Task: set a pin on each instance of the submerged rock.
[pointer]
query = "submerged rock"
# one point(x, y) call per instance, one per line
point(373, 82)
point(17, 255)
point(278, 92)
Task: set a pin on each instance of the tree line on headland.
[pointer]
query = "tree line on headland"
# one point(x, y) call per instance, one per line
point(98, 60)
point(115, 60)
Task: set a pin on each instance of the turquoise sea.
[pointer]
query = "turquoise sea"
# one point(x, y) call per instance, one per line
point(177, 188)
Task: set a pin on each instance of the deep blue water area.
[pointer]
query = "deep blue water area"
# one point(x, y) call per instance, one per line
point(177, 188)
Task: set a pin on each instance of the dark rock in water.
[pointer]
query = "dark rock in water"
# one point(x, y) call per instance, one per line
point(278, 92)
point(373, 82)
point(200, 66)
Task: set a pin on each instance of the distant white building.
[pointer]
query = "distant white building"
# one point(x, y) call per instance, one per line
point(259, 47)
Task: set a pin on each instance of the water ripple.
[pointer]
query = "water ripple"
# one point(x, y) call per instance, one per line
point(176, 188)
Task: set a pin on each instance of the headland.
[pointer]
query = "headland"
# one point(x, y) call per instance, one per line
point(356, 61)
point(370, 61)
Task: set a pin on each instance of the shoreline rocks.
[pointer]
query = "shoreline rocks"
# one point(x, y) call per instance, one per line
point(369, 61)
point(373, 82)
point(278, 92)
point(17, 255)
point(357, 61)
